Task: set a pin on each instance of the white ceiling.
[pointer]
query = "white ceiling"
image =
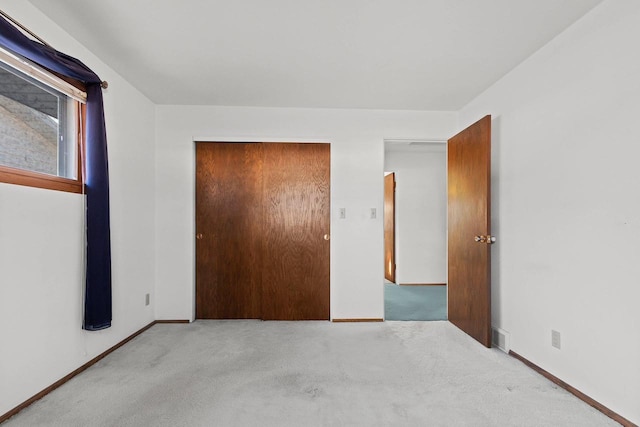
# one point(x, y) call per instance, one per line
point(378, 54)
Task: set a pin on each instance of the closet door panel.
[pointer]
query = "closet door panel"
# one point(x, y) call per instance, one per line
point(229, 231)
point(295, 280)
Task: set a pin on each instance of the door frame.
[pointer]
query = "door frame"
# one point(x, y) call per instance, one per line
point(491, 184)
point(409, 141)
point(253, 139)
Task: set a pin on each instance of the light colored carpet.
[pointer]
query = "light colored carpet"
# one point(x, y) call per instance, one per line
point(415, 302)
point(252, 373)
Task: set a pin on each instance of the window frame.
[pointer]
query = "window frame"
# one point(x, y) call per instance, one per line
point(16, 176)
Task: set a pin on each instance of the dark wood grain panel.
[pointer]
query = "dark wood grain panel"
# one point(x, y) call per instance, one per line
point(469, 199)
point(390, 227)
point(296, 218)
point(228, 230)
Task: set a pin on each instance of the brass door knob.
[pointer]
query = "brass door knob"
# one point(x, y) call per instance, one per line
point(327, 237)
point(488, 239)
point(199, 236)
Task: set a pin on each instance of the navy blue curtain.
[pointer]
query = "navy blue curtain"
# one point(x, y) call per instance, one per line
point(97, 305)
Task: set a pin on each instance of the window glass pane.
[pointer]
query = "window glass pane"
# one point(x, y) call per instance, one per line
point(36, 126)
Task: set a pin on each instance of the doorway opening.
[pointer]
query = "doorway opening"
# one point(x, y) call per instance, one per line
point(415, 230)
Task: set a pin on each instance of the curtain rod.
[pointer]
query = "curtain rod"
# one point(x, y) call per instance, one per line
point(23, 28)
point(104, 84)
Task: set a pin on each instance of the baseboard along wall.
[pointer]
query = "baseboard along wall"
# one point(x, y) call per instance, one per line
point(580, 395)
point(82, 368)
point(172, 321)
point(597, 405)
point(422, 284)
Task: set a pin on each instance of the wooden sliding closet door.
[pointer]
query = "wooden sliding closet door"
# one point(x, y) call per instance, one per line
point(295, 282)
point(228, 230)
point(262, 231)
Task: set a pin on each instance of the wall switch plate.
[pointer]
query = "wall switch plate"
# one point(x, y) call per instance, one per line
point(555, 339)
point(343, 213)
point(373, 213)
point(147, 299)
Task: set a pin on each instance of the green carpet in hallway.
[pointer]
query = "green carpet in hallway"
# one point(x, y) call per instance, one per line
point(415, 302)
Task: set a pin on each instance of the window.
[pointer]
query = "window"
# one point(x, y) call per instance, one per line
point(39, 129)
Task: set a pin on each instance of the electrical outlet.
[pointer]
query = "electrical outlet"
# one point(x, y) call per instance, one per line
point(555, 339)
point(147, 299)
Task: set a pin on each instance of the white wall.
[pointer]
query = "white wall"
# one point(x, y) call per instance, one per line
point(566, 211)
point(41, 244)
point(421, 212)
point(566, 204)
point(357, 167)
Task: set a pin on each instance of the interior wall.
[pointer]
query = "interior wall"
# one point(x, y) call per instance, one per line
point(357, 166)
point(41, 243)
point(421, 212)
point(566, 182)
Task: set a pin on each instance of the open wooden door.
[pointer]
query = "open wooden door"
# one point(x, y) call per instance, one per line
point(390, 227)
point(469, 230)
